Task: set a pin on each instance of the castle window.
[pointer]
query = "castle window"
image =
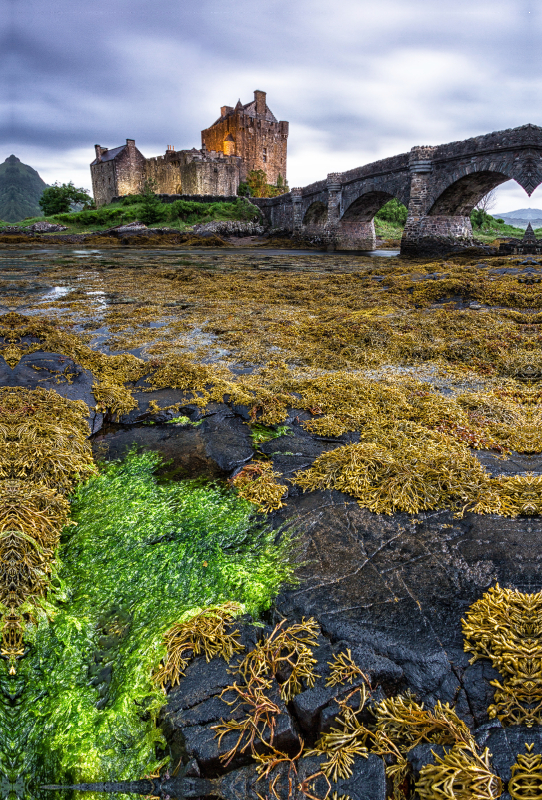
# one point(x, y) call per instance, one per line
point(229, 145)
point(264, 155)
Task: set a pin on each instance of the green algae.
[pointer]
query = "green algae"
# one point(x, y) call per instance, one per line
point(265, 433)
point(143, 555)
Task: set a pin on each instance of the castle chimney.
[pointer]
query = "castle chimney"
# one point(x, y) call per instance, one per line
point(98, 150)
point(260, 101)
point(225, 110)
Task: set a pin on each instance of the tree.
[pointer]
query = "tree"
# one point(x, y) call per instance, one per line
point(257, 181)
point(258, 186)
point(58, 199)
point(243, 190)
point(150, 210)
point(488, 202)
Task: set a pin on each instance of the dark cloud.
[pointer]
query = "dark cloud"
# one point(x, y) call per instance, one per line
point(358, 80)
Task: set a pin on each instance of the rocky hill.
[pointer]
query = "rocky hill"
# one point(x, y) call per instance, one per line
point(20, 190)
point(522, 216)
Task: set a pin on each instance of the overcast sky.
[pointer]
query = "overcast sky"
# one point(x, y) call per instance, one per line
point(358, 80)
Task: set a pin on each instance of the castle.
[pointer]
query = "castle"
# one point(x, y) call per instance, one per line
point(247, 137)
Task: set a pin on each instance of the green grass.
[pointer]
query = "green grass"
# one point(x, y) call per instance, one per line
point(388, 230)
point(142, 557)
point(390, 222)
point(487, 228)
point(180, 215)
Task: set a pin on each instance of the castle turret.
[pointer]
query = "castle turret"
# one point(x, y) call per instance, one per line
point(252, 133)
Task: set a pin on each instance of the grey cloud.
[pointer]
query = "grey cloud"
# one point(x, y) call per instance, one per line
point(357, 77)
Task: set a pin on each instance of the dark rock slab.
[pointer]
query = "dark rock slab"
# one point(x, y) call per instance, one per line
point(368, 781)
point(163, 398)
point(505, 744)
point(211, 710)
point(205, 679)
point(422, 755)
point(183, 447)
point(57, 372)
point(396, 588)
point(476, 681)
point(309, 705)
point(227, 440)
point(201, 741)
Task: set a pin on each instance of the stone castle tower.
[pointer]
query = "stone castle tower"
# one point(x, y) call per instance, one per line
point(244, 138)
point(252, 133)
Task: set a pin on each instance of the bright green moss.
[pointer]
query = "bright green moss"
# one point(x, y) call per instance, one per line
point(141, 556)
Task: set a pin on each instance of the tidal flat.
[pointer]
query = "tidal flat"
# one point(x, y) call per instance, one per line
point(316, 463)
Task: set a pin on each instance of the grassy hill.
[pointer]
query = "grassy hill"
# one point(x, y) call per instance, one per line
point(20, 190)
point(179, 215)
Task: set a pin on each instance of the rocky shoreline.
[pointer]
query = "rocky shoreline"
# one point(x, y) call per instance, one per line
point(389, 590)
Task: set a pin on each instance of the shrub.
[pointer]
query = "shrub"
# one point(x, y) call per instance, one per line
point(393, 212)
point(151, 208)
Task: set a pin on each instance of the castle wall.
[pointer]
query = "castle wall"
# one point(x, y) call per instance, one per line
point(258, 139)
point(165, 172)
point(121, 174)
point(130, 169)
point(208, 175)
point(104, 182)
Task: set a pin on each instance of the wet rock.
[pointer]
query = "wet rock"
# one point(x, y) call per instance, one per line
point(424, 754)
point(331, 712)
point(239, 784)
point(476, 683)
point(163, 398)
point(309, 705)
point(397, 590)
point(57, 372)
point(368, 781)
point(205, 679)
point(298, 449)
point(182, 448)
point(201, 741)
point(505, 744)
point(212, 710)
point(227, 440)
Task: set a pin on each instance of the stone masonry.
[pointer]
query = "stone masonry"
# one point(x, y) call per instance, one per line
point(244, 138)
point(252, 133)
point(118, 171)
point(440, 186)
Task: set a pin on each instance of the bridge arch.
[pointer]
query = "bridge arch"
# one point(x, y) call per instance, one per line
point(364, 207)
point(316, 214)
point(461, 196)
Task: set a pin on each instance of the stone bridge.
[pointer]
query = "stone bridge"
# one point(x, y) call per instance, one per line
point(439, 185)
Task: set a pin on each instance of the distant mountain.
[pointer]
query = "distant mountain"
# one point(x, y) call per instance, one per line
point(20, 190)
point(522, 216)
point(523, 213)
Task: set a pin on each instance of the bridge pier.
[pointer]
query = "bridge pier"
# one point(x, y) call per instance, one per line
point(355, 235)
point(425, 233)
point(435, 234)
point(344, 234)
